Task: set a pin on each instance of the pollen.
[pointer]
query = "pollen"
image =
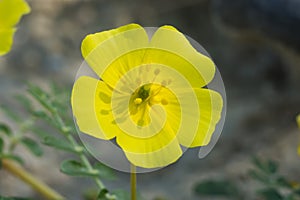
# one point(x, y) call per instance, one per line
point(138, 101)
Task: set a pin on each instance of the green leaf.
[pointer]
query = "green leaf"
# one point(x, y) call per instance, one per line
point(13, 157)
point(122, 194)
point(5, 129)
point(102, 195)
point(25, 102)
point(297, 192)
point(41, 114)
point(291, 197)
point(44, 116)
point(105, 171)
point(11, 114)
point(125, 195)
point(272, 166)
point(76, 168)
point(270, 194)
point(32, 146)
point(257, 175)
point(13, 198)
point(258, 163)
point(1, 145)
point(41, 96)
point(41, 133)
point(269, 167)
point(281, 181)
point(216, 188)
point(61, 144)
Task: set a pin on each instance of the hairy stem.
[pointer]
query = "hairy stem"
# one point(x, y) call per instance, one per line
point(28, 178)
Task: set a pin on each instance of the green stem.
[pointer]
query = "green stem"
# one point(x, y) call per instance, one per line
point(133, 181)
point(86, 162)
point(66, 131)
point(28, 178)
point(89, 166)
point(73, 142)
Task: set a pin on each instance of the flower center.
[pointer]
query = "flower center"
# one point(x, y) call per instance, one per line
point(141, 101)
point(142, 94)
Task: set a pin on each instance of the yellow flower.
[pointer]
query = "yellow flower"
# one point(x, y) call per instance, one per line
point(11, 12)
point(149, 94)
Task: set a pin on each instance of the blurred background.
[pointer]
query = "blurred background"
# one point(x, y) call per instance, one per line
point(254, 43)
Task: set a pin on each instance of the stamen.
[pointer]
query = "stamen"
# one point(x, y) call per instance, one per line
point(164, 83)
point(138, 101)
point(154, 100)
point(156, 71)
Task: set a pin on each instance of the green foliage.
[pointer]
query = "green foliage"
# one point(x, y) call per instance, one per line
point(1, 145)
point(54, 105)
point(61, 144)
point(13, 198)
point(270, 194)
point(104, 171)
point(10, 139)
point(76, 168)
point(268, 167)
point(13, 157)
point(223, 188)
point(123, 194)
point(272, 185)
point(32, 146)
point(115, 194)
point(11, 114)
point(5, 129)
point(48, 110)
point(103, 195)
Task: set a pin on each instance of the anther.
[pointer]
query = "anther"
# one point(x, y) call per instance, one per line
point(156, 71)
point(138, 101)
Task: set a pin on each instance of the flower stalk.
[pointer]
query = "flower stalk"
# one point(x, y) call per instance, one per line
point(28, 178)
point(133, 182)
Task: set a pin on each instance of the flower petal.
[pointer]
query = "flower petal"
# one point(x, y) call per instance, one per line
point(157, 151)
point(6, 40)
point(103, 48)
point(91, 108)
point(210, 108)
point(171, 48)
point(11, 12)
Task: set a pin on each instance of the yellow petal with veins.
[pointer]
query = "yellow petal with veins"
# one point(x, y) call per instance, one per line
point(196, 67)
point(101, 49)
point(11, 12)
point(91, 108)
point(210, 108)
point(157, 151)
